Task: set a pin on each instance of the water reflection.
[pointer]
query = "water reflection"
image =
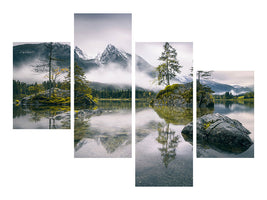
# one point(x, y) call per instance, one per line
point(41, 117)
point(175, 115)
point(243, 112)
point(169, 141)
point(163, 157)
point(104, 131)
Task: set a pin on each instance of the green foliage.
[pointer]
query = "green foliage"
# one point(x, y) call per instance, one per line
point(249, 95)
point(66, 82)
point(188, 95)
point(228, 95)
point(107, 93)
point(206, 125)
point(82, 91)
point(54, 100)
point(170, 66)
point(204, 95)
point(175, 115)
point(21, 89)
point(174, 93)
point(168, 90)
point(204, 111)
point(169, 142)
point(203, 75)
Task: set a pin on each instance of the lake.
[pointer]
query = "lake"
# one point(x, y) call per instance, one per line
point(104, 131)
point(163, 156)
point(41, 117)
point(244, 113)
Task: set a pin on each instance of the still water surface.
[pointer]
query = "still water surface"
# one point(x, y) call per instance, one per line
point(244, 113)
point(105, 131)
point(163, 156)
point(41, 117)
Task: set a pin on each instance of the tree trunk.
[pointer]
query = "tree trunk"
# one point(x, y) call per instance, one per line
point(168, 77)
point(50, 69)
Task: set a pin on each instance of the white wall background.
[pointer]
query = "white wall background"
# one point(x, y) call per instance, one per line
point(226, 35)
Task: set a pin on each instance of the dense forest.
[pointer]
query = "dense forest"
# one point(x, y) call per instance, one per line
point(22, 89)
point(229, 95)
point(112, 93)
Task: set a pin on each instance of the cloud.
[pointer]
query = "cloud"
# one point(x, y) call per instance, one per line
point(242, 78)
point(112, 74)
point(26, 73)
point(151, 51)
point(92, 32)
point(147, 82)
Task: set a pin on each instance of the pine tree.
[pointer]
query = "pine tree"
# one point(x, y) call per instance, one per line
point(170, 66)
point(203, 75)
point(82, 91)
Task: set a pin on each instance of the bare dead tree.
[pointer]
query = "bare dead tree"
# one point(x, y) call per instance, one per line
point(44, 67)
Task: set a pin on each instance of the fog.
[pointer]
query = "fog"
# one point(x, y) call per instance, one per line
point(145, 81)
point(112, 74)
point(26, 73)
point(232, 92)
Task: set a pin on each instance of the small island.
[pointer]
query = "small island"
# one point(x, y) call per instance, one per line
point(225, 114)
point(41, 85)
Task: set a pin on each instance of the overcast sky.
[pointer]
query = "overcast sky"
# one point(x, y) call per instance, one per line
point(93, 32)
point(151, 51)
point(243, 78)
point(20, 43)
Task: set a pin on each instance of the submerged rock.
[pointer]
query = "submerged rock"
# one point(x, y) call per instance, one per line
point(221, 132)
point(88, 112)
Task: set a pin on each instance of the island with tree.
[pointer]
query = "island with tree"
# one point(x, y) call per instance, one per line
point(175, 94)
point(164, 105)
point(225, 107)
point(41, 84)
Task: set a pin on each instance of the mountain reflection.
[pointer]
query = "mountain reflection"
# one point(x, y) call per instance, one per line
point(104, 134)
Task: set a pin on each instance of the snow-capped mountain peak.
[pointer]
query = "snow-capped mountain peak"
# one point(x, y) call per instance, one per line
point(112, 54)
point(80, 53)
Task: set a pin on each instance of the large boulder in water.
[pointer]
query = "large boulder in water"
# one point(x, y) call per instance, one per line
point(221, 132)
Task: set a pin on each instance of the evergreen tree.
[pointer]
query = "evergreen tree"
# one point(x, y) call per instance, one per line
point(170, 66)
point(203, 75)
point(82, 91)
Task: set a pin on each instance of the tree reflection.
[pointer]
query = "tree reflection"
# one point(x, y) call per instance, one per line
point(169, 141)
point(51, 113)
point(204, 111)
point(81, 130)
point(175, 115)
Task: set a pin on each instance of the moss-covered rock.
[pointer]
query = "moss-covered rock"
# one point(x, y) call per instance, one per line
point(175, 95)
point(221, 132)
point(44, 100)
point(59, 97)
